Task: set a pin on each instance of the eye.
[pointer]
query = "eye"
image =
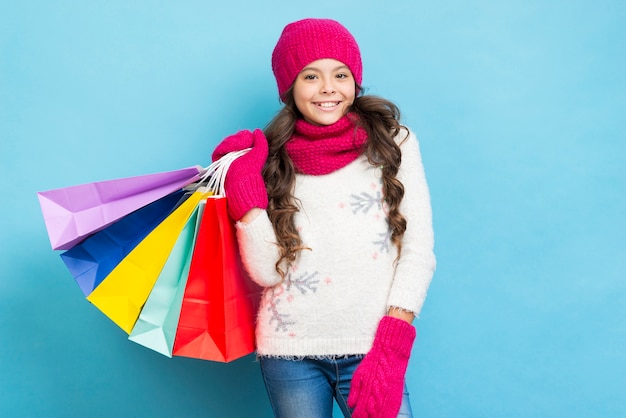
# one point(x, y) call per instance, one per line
point(342, 75)
point(310, 77)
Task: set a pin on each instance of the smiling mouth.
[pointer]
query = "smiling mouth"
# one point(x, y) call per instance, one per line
point(327, 104)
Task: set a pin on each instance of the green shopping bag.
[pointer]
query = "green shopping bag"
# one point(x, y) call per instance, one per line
point(156, 326)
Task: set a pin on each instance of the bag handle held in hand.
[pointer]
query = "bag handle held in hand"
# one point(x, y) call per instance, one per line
point(215, 174)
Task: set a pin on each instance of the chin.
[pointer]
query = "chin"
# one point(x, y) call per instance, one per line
point(326, 119)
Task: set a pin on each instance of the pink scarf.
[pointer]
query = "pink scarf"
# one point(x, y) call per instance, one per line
point(318, 150)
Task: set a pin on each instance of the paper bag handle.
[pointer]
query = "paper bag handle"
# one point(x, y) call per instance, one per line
point(215, 174)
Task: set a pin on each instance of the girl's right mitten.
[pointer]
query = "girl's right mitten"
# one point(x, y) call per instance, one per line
point(244, 186)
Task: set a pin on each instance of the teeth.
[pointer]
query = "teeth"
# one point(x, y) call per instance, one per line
point(328, 104)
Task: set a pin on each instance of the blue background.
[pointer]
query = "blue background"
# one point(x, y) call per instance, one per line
point(520, 107)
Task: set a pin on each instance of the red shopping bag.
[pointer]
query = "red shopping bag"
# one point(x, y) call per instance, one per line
point(217, 317)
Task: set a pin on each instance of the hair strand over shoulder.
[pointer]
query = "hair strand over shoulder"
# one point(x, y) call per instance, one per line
point(381, 120)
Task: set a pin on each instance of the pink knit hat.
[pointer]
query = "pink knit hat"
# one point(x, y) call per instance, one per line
point(308, 40)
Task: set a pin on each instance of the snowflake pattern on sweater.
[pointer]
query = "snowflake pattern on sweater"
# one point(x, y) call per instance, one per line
point(301, 284)
point(365, 201)
point(333, 296)
point(372, 203)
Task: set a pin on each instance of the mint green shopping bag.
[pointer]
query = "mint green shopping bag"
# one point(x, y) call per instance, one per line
point(156, 326)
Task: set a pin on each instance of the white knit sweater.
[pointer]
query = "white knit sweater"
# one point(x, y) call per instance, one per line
point(336, 293)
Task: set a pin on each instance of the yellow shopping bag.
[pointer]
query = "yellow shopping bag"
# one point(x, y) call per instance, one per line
point(124, 291)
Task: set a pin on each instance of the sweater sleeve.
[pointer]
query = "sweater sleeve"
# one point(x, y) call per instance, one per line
point(416, 265)
point(257, 245)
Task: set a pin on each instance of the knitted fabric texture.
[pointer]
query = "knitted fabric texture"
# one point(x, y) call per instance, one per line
point(308, 40)
point(334, 295)
point(318, 150)
point(244, 184)
point(378, 382)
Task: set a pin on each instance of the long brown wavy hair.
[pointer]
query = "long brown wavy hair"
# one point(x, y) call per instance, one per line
point(381, 119)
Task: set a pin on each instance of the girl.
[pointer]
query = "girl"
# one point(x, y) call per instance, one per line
point(334, 221)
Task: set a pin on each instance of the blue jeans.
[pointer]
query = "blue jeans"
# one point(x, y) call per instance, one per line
point(306, 388)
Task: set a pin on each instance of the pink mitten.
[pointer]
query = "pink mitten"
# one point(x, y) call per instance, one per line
point(378, 382)
point(245, 188)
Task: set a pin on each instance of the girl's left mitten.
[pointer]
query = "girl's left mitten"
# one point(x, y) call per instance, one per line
point(378, 382)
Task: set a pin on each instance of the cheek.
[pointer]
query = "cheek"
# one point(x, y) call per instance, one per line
point(301, 94)
point(298, 98)
point(350, 94)
point(350, 98)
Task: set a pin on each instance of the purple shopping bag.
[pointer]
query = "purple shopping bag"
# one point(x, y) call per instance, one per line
point(73, 213)
point(91, 261)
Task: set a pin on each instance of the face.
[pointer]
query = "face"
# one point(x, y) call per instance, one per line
point(324, 91)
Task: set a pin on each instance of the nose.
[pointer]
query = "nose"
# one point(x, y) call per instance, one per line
point(328, 87)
